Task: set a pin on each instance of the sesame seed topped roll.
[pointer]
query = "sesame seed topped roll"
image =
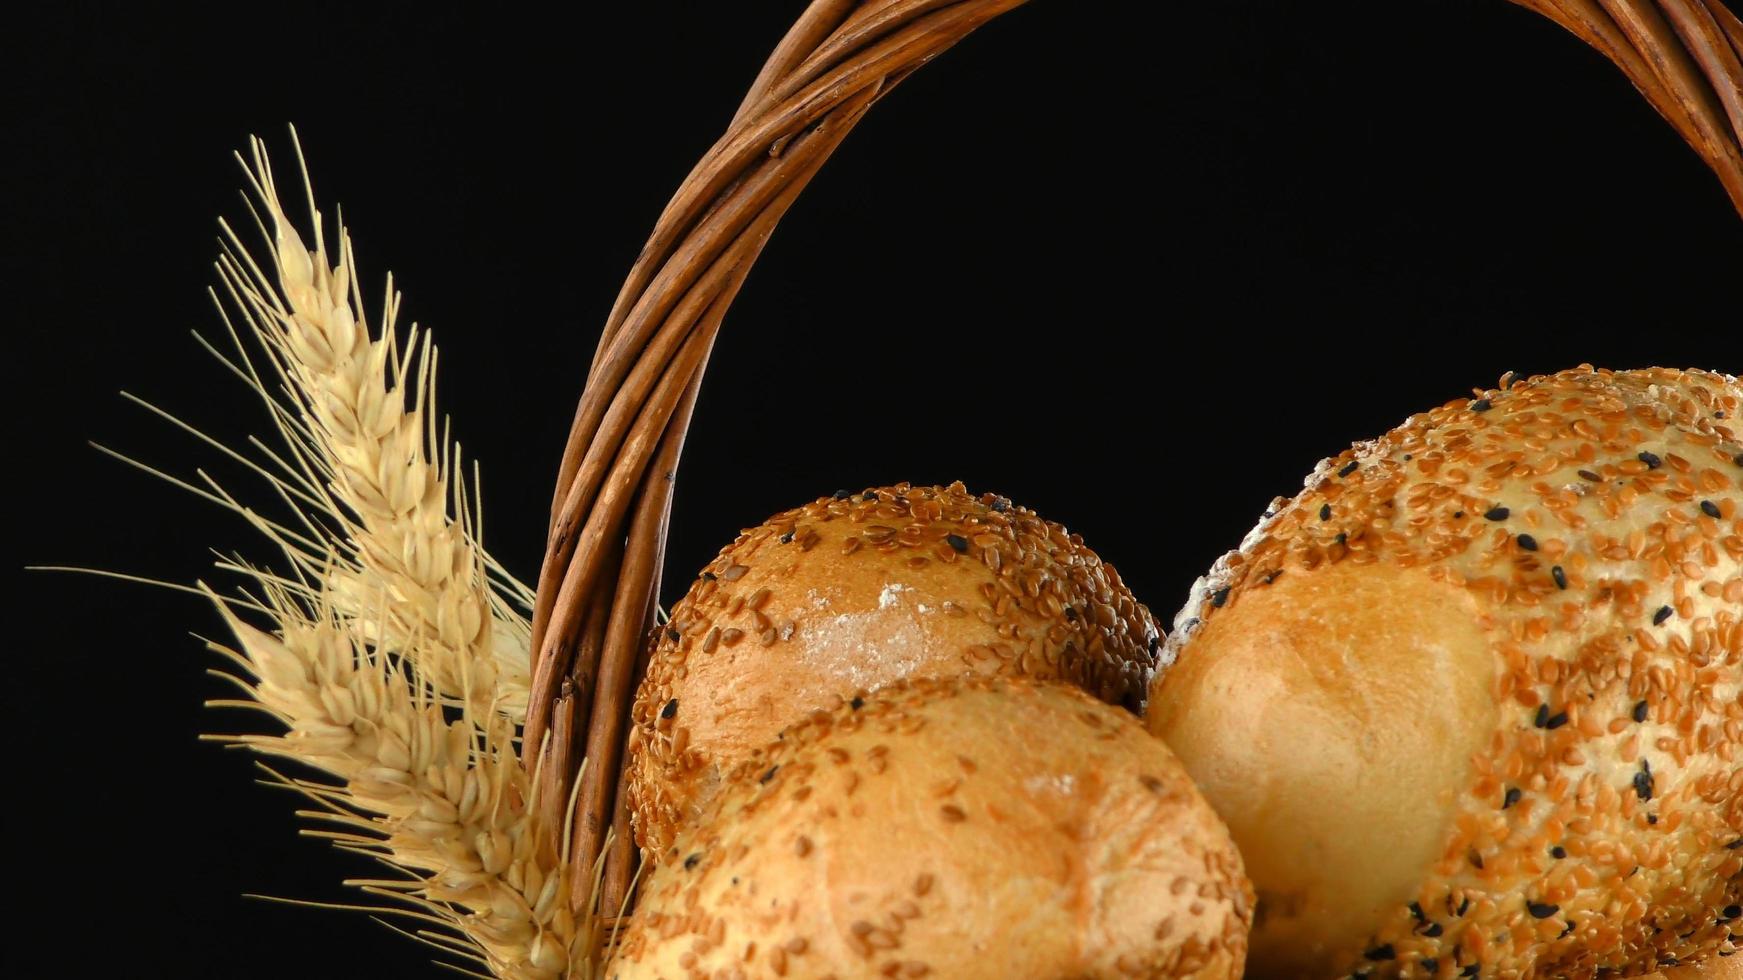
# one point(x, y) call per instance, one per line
point(837, 598)
point(968, 827)
point(1472, 702)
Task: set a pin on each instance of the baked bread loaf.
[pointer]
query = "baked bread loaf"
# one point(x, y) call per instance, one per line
point(969, 827)
point(848, 593)
point(1472, 702)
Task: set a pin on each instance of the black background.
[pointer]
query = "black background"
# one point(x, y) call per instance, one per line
point(1138, 270)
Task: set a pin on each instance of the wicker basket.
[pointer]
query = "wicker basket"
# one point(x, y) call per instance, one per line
point(600, 578)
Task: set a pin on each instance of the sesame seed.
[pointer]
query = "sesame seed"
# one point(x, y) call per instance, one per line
point(1482, 405)
point(1559, 576)
point(1379, 953)
point(1541, 910)
point(1558, 851)
point(1496, 513)
point(670, 709)
point(1348, 468)
point(1640, 708)
point(1325, 512)
point(1650, 459)
point(1710, 509)
point(1590, 477)
point(1663, 613)
point(958, 543)
point(1511, 797)
point(1527, 542)
point(1219, 597)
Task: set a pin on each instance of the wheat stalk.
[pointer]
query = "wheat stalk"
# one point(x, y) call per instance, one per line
point(442, 801)
point(358, 427)
point(397, 659)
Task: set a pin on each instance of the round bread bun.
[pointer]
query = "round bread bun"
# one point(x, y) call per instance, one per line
point(1472, 702)
point(848, 593)
point(963, 827)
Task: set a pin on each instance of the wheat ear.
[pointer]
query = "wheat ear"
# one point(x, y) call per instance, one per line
point(363, 455)
point(442, 800)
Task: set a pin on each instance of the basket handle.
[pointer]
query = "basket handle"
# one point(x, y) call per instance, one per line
point(600, 577)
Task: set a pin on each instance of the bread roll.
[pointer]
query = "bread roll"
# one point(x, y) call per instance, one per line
point(960, 828)
point(1471, 703)
point(848, 593)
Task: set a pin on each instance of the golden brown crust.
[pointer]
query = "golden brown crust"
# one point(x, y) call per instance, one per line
point(966, 827)
point(1592, 522)
point(848, 593)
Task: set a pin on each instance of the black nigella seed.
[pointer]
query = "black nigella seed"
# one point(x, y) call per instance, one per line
point(1663, 613)
point(1590, 477)
point(1000, 505)
point(690, 862)
point(857, 702)
point(670, 710)
point(1343, 537)
point(1643, 785)
point(673, 635)
point(1430, 966)
point(1542, 717)
point(1219, 597)
point(709, 577)
point(1652, 819)
point(1719, 414)
point(1710, 509)
point(1527, 542)
point(1558, 851)
point(842, 495)
point(1325, 512)
point(1541, 910)
point(770, 774)
point(1416, 911)
point(1482, 405)
point(1511, 797)
point(1496, 513)
point(1640, 709)
point(1734, 844)
point(1349, 467)
point(1559, 576)
point(1464, 906)
point(1433, 930)
point(1651, 460)
point(1730, 913)
point(1458, 515)
point(958, 543)
point(1738, 459)
point(1471, 971)
point(1379, 953)
point(1556, 720)
point(788, 537)
point(1155, 641)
